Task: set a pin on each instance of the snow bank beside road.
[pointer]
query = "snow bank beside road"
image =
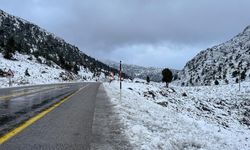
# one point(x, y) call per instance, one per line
point(180, 124)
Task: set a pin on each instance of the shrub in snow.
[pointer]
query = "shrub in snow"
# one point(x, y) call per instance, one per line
point(191, 81)
point(236, 80)
point(216, 82)
point(246, 121)
point(148, 79)
point(48, 63)
point(30, 58)
point(136, 81)
point(226, 81)
point(84, 78)
point(243, 75)
point(234, 74)
point(76, 69)
point(175, 77)
point(27, 72)
point(184, 94)
point(39, 60)
point(130, 89)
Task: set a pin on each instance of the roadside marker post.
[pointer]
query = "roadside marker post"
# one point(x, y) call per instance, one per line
point(120, 75)
point(120, 80)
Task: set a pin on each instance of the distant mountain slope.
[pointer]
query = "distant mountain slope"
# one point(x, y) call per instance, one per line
point(135, 71)
point(220, 64)
point(32, 40)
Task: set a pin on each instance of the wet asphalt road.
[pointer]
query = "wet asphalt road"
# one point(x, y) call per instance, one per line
point(15, 101)
point(68, 126)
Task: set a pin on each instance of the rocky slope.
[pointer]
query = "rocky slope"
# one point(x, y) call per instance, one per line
point(226, 63)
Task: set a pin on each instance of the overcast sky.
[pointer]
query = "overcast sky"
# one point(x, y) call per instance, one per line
point(159, 33)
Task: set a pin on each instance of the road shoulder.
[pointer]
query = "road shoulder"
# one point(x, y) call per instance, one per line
point(107, 127)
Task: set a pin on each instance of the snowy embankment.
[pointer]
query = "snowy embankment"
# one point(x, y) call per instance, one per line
point(178, 118)
point(39, 72)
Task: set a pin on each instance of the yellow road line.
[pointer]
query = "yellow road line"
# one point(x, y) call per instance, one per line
point(32, 120)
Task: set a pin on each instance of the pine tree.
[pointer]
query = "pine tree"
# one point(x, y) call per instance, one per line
point(27, 72)
point(76, 69)
point(167, 76)
point(148, 79)
point(10, 48)
point(243, 75)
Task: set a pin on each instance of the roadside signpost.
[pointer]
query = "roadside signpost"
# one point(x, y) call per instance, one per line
point(10, 75)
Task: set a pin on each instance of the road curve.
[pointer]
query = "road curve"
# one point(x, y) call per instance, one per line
point(68, 126)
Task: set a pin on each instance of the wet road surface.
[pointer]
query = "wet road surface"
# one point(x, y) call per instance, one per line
point(68, 126)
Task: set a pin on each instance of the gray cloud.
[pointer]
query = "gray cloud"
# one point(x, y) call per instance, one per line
point(134, 30)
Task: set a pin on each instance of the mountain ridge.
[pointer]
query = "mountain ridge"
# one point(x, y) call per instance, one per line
point(224, 63)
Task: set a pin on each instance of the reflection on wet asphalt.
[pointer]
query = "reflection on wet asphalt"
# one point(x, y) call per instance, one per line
point(18, 102)
point(26, 91)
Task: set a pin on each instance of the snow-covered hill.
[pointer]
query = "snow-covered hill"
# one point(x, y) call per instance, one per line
point(40, 72)
point(223, 63)
point(136, 71)
point(183, 118)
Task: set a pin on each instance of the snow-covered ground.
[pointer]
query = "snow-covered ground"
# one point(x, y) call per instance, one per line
point(40, 73)
point(208, 117)
point(156, 117)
